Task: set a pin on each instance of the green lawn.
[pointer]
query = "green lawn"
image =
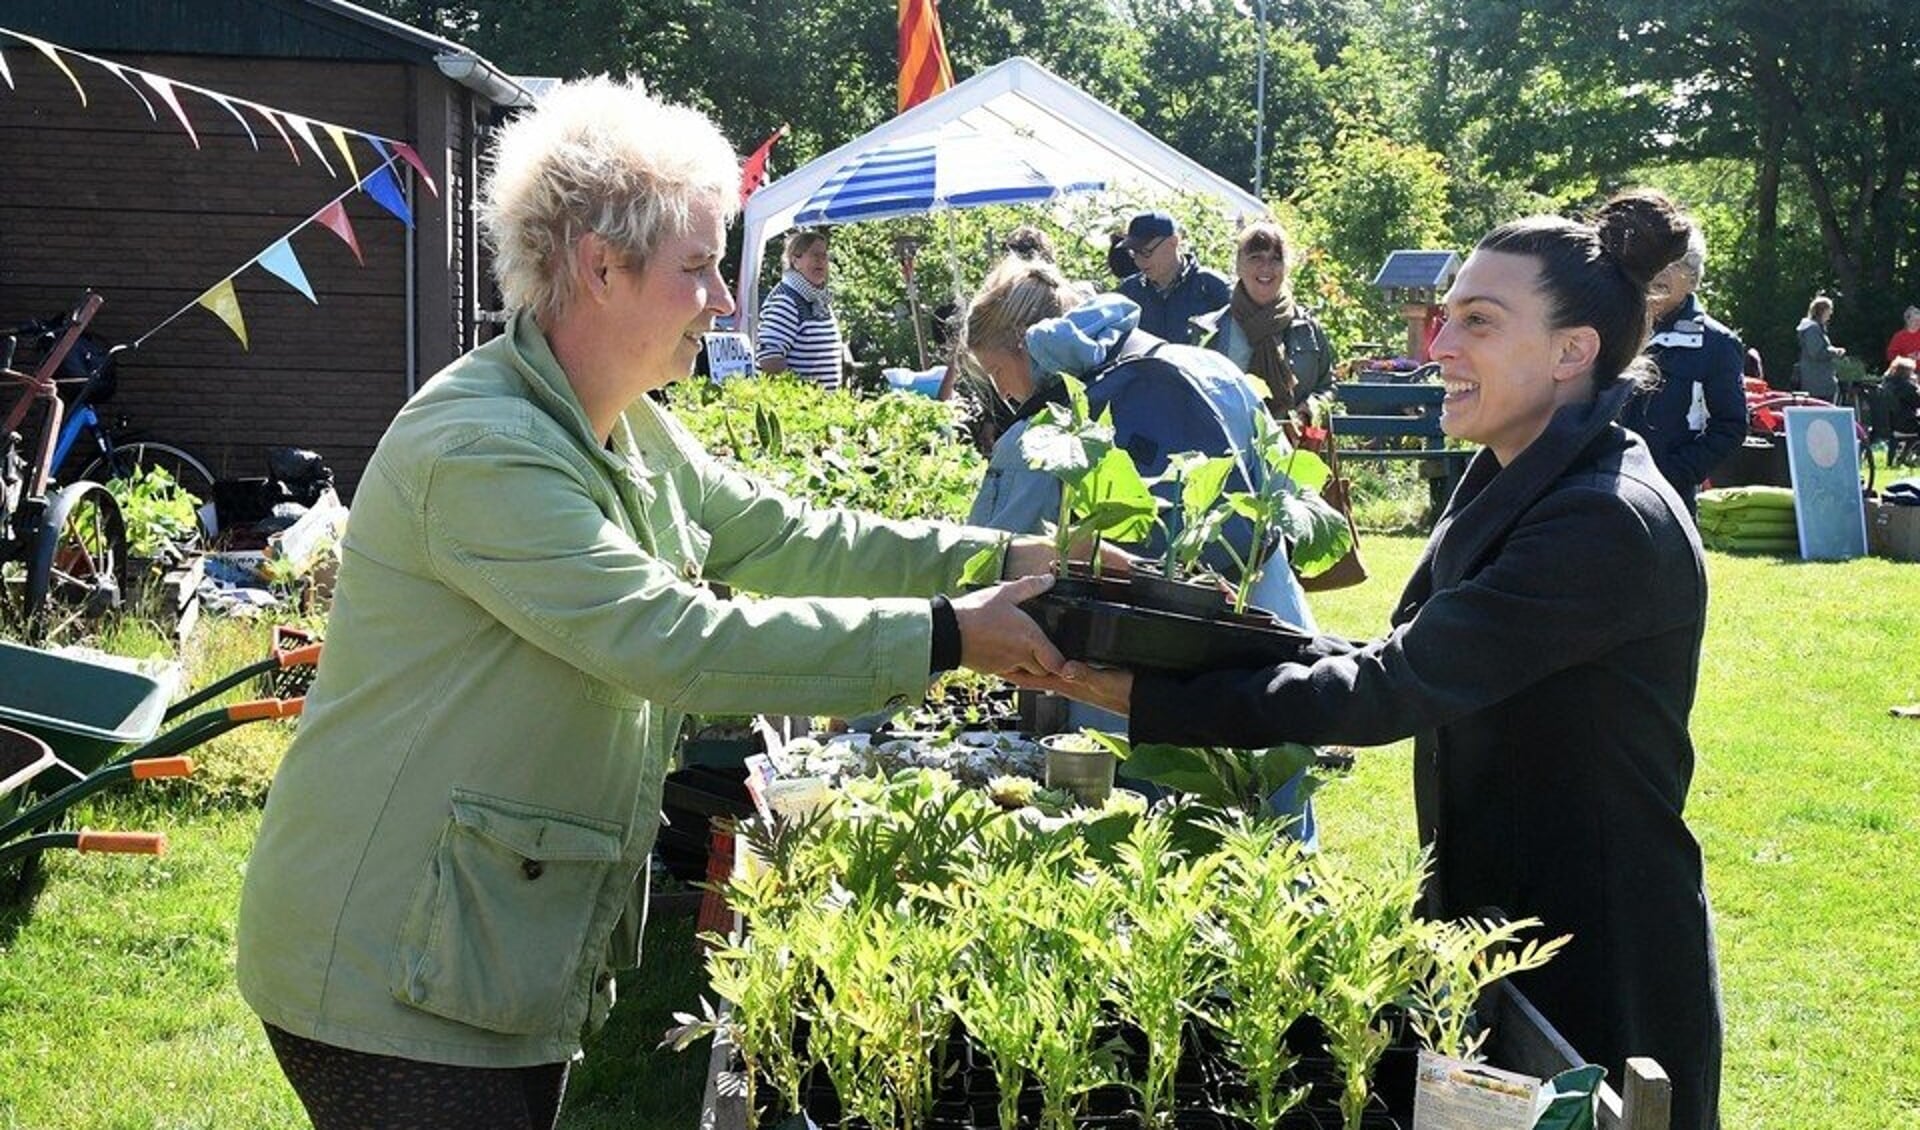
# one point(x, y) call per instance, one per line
point(117, 1007)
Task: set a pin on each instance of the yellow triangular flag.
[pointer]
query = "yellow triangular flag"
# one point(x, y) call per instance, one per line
point(340, 138)
point(226, 305)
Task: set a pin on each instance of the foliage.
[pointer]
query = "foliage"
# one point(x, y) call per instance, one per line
point(896, 454)
point(158, 511)
point(1237, 779)
point(1101, 492)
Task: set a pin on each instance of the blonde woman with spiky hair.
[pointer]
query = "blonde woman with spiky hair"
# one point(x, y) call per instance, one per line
point(446, 870)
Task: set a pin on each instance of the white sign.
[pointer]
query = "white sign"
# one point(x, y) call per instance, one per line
point(1452, 1094)
point(728, 355)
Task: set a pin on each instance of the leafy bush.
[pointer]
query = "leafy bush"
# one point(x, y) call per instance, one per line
point(158, 511)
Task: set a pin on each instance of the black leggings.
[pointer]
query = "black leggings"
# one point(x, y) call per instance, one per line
point(349, 1090)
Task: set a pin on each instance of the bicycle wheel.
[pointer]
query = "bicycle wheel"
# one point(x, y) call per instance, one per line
point(77, 565)
point(128, 458)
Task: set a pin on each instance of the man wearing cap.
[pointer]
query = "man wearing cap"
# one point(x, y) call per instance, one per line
point(1170, 287)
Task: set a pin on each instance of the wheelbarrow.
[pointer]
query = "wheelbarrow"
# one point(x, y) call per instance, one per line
point(22, 758)
point(88, 712)
point(86, 715)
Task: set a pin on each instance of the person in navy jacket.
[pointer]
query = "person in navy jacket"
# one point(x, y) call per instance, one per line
point(1696, 415)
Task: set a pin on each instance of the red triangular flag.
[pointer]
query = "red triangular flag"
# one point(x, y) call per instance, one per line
point(410, 157)
point(754, 173)
point(335, 218)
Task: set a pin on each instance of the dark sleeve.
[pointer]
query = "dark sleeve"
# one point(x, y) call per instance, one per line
point(1551, 598)
point(945, 653)
point(1726, 411)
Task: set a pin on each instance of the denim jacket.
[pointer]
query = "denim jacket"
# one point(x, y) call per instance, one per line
point(518, 627)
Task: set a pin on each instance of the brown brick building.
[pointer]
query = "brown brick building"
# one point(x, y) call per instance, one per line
point(104, 196)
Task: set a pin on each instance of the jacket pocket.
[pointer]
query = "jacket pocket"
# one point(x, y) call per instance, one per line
point(497, 929)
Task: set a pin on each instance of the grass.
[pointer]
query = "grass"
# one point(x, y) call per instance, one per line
point(117, 1006)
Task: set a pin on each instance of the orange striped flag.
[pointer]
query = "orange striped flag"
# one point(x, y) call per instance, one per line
point(924, 70)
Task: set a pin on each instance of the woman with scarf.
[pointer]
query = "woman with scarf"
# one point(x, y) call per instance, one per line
point(1263, 330)
point(797, 328)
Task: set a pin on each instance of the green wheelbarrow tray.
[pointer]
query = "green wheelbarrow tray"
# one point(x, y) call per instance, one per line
point(85, 712)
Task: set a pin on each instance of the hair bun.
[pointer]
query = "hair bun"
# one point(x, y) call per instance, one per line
point(1642, 232)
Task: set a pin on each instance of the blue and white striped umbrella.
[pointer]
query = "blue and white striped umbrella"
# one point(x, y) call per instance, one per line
point(924, 172)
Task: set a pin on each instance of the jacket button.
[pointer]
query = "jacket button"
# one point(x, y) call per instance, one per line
point(532, 868)
point(897, 701)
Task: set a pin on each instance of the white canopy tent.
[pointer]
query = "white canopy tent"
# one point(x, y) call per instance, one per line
point(1017, 98)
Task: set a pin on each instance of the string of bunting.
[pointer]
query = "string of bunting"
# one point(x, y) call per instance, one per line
point(278, 259)
point(284, 122)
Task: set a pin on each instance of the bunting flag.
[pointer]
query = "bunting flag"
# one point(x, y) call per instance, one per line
point(285, 265)
point(226, 305)
point(164, 88)
point(924, 70)
point(340, 139)
point(334, 218)
point(753, 174)
point(53, 56)
point(386, 192)
point(169, 91)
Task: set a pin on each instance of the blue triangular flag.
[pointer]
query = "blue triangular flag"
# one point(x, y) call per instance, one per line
point(281, 261)
point(384, 189)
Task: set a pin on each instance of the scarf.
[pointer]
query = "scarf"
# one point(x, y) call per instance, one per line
point(819, 301)
point(1266, 328)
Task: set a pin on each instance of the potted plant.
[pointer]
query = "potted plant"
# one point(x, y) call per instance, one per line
point(1101, 492)
point(1080, 763)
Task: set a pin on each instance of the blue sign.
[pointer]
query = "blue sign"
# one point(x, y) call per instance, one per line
point(1823, 455)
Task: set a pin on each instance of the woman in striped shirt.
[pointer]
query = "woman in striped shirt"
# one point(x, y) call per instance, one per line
point(797, 327)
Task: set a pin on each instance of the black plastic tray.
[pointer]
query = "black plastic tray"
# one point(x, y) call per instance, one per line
point(1100, 631)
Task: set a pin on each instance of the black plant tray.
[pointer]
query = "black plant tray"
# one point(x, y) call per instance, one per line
point(1104, 631)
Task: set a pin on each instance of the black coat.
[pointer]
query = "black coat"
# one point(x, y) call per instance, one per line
point(1544, 656)
point(1692, 351)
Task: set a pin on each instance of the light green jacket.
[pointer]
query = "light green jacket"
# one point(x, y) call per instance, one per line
point(517, 629)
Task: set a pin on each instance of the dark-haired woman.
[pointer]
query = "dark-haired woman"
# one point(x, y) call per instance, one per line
point(1549, 707)
point(1263, 330)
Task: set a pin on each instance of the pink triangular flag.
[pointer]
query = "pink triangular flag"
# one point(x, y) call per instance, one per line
point(335, 218)
point(53, 56)
point(410, 157)
point(120, 73)
point(226, 305)
point(163, 86)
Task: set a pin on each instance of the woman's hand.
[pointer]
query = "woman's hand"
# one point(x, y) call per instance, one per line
point(1028, 555)
point(1109, 688)
point(997, 638)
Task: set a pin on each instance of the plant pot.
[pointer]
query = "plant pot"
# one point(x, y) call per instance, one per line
point(1079, 766)
point(1189, 598)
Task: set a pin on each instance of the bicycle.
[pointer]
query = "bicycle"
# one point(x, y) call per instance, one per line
point(63, 548)
point(110, 451)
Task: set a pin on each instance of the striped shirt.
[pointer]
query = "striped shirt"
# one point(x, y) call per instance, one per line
point(810, 345)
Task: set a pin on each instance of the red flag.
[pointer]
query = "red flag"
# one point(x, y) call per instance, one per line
point(335, 218)
point(754, 173)
point(924, 70)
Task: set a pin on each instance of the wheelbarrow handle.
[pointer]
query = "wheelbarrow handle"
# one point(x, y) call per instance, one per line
point(122, 843)
point(154, 768)
point(266, 708)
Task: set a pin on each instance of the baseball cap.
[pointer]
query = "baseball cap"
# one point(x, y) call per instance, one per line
point(1147, 227)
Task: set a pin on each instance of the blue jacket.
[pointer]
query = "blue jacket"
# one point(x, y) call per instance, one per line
point(1700, 364)
point(1168, 314)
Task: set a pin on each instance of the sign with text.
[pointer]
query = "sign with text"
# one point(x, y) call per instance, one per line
point(729, 355)
point(1453, 1094)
